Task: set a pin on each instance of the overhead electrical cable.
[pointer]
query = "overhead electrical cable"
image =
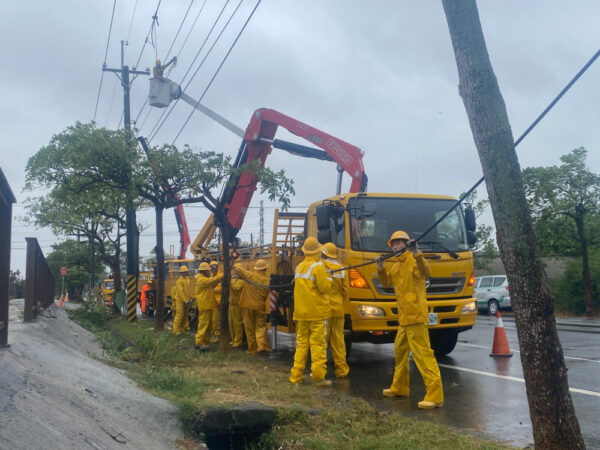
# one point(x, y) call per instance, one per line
point(154, 19)
point(218, 69)
point(131, 22)
point(178, 30)
point(159, 124)
point(112, 16)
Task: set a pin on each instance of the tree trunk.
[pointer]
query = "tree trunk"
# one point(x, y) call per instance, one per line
point(159, 317)
point(551, 409)
point(224, 306)
point(587, 279)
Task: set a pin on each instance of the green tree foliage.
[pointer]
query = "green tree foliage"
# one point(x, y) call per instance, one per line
point(564, 205)
point(75, 256)
point(569, 289)
point(484, 249)
point(84, 172)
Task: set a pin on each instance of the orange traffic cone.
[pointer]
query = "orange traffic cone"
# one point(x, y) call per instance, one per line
point(500, 347)
point(60, 301)
point(67, 297)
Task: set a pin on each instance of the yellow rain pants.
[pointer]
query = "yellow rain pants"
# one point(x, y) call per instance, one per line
point(310, 332)
point(236, 328)
point(415, 338)
point(203, 333)
point(255, 323)
point(335, 339)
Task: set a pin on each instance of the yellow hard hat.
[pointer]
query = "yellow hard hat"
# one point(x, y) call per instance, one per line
point(214, 263)
point(158, 62)
point(183, 269)
point(311, 246)
point(260, 264)
point(203, 267)
point(330, 250)
point(398, 235)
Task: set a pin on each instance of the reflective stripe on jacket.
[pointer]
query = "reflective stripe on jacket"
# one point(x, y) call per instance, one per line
point(310, 289)
point(254, 297)
point(338, 293)
point(205, 295)
point(408, 277)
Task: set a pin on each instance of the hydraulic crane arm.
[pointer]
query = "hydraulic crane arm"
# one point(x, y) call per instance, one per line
point(258, 140)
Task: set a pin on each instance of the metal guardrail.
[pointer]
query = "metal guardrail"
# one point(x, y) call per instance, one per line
point(39, 284)
point(6, 201)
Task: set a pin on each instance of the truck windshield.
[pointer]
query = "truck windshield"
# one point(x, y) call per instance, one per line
point(109, 284)
point(373, 220)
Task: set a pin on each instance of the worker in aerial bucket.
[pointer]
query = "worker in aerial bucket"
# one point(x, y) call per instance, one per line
point(407, 275)
point(311, 313)
point(337, 295)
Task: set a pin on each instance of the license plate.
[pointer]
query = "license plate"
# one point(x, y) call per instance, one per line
point(432, 318)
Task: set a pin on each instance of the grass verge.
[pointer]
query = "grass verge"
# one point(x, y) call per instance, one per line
point(308, 418)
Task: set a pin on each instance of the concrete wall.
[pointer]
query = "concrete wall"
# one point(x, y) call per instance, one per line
point(555, 266)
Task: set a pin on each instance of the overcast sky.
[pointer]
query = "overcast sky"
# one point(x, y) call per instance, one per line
point(379, 74)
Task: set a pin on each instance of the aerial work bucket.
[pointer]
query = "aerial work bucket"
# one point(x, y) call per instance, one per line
point(162, 91)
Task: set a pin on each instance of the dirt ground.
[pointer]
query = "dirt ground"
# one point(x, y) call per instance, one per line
point(55, 394)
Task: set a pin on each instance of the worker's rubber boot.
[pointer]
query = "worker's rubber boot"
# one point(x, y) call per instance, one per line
point(323, 383)
point(429, 405)
point(390, 393)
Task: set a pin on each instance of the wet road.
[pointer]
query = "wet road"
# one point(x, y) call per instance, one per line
point(482, 394)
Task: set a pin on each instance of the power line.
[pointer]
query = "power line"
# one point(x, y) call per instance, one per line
point(131, 22)
point(159, 124)
point(154, 19)
point(178, 30)
point(218, 69)
point(112, 16)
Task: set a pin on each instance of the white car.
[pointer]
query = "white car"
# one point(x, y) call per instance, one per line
point(492, 293)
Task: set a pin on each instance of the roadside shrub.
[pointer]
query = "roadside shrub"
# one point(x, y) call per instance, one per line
point(568, 290)
point(92, 315)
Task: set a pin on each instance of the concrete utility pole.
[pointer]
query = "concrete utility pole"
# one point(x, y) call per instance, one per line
point(132, 269)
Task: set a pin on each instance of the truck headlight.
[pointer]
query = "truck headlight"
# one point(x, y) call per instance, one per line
point(469, 308)
point(371, 311)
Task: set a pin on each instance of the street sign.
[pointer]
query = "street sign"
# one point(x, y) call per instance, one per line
point(63, 270)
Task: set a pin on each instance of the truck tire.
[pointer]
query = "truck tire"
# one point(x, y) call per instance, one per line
point(443, 341)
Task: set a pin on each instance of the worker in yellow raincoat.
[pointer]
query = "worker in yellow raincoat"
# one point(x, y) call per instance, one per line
point(214, 271)
point(183, 293)
point(337, 295)
point(407, 275)
point(254, 305)
point(205, 302)
point(311, 313)
point(236, 321)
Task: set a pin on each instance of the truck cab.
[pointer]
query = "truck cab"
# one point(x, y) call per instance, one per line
point(359, 224)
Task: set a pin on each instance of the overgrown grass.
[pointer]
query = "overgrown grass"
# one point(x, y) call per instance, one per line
point(308, 418)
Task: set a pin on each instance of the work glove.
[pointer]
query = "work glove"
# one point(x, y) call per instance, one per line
point(412, 247)
point(379, 261)
point(189, 302)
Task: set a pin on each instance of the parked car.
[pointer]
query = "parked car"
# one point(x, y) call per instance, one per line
point(492, 293)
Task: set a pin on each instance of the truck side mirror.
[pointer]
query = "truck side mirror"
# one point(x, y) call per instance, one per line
point(322, 213)
point(471, 238)
point(470, 222)
point(324, 236)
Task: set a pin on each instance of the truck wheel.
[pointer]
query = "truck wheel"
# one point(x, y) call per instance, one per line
point(492, 307)
point(443, 341)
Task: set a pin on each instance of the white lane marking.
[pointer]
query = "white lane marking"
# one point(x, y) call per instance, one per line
point(518, 351)
point(506, 377)
point(494, 375)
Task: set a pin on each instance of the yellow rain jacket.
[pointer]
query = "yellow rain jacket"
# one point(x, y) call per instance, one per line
point(205, 294)
point(235, 291)
point(254, 297)
point(338, 293)
point(182, 290)
point(408, 276)
point(310, 289)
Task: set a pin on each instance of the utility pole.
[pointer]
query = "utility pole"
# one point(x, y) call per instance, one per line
point(92, 268)
point(261, 236)
point(132, 259)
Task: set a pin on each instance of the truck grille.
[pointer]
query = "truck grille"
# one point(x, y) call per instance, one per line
point(435, 286)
